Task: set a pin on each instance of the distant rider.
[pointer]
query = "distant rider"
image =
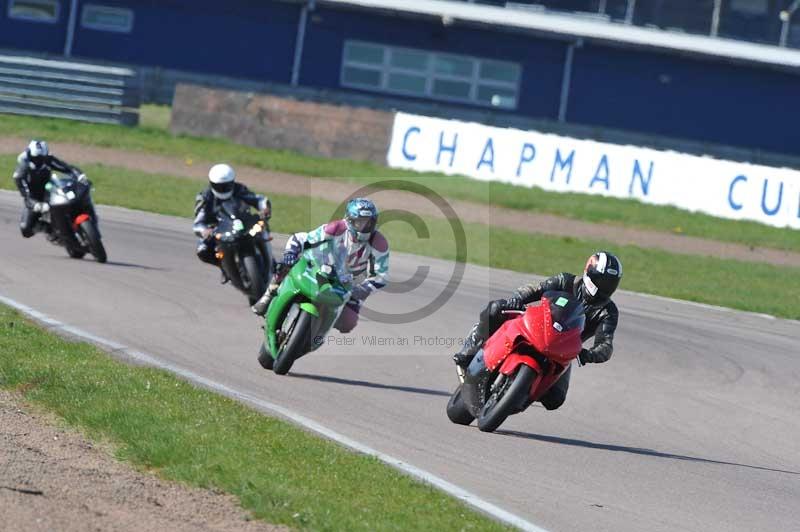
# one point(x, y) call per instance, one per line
point(600, 279)
point(222, 186)
point(34, 168)
point(367, 252)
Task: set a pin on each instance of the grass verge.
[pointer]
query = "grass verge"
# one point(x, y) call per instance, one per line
point(156, 421)
point(703, 279)
point(155, 116)
point(154, 137)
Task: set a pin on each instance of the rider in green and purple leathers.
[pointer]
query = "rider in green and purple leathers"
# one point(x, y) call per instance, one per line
point(367, 257)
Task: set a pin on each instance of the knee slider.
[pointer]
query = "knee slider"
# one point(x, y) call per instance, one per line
point(552, 402)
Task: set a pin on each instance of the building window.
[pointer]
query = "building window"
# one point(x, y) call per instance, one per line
point(756, 8)
point(106, 18)
point(440, 76)
point(34, 10)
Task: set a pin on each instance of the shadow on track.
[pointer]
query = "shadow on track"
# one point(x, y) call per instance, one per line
point(367, 384)
point(89, 259)
point(138, 266)
point(631, 450)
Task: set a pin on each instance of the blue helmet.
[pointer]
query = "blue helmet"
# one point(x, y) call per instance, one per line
point(361, 216)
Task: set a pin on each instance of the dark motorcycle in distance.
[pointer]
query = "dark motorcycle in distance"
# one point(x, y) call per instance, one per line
point(519, 362)
point(243, 249)
point(70, 217)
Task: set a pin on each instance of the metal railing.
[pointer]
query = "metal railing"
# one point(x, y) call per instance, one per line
point(77, 91)
point(761, 21)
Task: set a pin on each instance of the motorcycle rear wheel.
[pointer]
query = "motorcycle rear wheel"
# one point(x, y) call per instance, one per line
point(513, 395)
point(296, 345)
point(457, 410)
point(92, 237)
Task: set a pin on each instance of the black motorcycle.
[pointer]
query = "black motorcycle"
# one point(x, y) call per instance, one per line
point(243, 248)
point(71, 219)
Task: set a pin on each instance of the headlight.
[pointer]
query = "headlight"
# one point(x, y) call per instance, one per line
point(257, 228)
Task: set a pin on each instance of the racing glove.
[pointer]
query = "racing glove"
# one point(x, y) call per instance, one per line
point(513, 303)
point(41, 206)
point(289, 258)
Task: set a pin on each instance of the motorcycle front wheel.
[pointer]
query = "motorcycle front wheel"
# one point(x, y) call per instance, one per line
point(256, 285)
point(93, 241)
point(507, 400)
point(296, 343)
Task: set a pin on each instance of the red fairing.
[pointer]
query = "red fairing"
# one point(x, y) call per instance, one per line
point(79, 220)
point(501, 343)
point(535, 328)
point(559, 346)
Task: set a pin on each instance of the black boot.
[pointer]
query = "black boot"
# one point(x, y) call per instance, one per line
point(472, 344)
point(47, 229)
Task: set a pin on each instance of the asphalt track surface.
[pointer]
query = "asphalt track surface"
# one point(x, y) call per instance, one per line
point(693, 424)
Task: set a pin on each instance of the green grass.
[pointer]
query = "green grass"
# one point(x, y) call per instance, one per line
point(153, 137)
point(721, 282)
point(154, 116)
point(156, 421)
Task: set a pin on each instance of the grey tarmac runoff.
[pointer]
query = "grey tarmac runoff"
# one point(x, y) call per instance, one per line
point(692, 425)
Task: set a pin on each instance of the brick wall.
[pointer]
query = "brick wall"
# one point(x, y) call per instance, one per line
point(267, 121)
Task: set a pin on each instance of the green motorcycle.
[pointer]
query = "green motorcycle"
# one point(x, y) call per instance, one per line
point(308, 302)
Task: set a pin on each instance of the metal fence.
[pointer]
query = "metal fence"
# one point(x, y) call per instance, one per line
point(76, 91)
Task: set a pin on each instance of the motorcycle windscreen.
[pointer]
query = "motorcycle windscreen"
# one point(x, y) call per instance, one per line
point(329, 263)
point(554, 326)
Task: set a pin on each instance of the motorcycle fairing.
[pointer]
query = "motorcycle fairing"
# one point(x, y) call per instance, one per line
point(68, 199)
point(83, 217)
point(533, 340)
point(302, 284)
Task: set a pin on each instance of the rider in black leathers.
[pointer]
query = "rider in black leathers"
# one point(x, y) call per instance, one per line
point(34, 167)
point(600, 279)
point(222, 186)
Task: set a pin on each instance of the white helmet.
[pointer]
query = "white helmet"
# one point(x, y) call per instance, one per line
point(37, 151)
point(222, 177)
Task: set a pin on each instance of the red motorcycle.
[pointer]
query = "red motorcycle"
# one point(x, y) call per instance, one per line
point(519, 362)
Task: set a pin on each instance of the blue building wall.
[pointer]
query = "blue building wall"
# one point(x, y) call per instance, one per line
point(240, 38)
point(43, 37)
point(642, 91)
point(542, 60)
point(685, 98)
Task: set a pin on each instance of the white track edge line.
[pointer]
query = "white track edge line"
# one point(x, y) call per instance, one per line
point(420, 474)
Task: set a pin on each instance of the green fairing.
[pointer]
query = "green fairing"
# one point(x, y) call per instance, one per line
point(321, 300)
point(310, 308)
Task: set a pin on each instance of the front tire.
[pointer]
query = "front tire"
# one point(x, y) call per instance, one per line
point(256, 284)
point(507, 401)
point(92, 236)
point(296, 345)
point(457, 410)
